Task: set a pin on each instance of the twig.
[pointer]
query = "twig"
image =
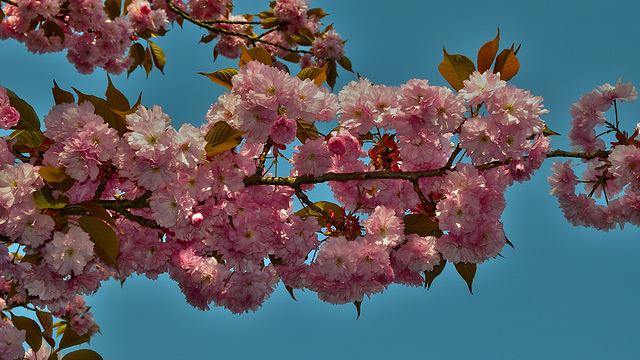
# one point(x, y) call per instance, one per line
point(205, 25)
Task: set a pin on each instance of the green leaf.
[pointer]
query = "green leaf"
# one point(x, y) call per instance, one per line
point(98, 211)
point(467, 271)
point(429, 276)
point(332, 73)
point(137, 53)
point(126, 5)
point(308, 211)
point(46, 320)
point(112, 8)
point(116, 99)
point(256, 53)
point(71, 338)
point(60, 96)
point(487, 53)
point(306, 130)
point(32, 259)
point(270, 22)
point(549, 132)
point(292, 57)
point(34, 334)
point(44, 199)
point(159, 59)
point(317, 75)
point(419, 224)
point(105, 240)
point(51, 28)
point(222, 137)
point(28, 117)
point(345, 63)
point(84, 354)
point(103, 109)
point(222, 77)
point(357, 304)
point(455, 68)
point(318, 12)
point(56, 177)
point(305, 37)
point(507, 64)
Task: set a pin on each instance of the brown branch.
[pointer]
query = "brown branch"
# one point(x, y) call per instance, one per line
point(423, 199)
point(205, 25)
point(9, 2)
point(575, 154)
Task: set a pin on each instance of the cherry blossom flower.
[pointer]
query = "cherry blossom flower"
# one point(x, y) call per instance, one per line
point(69, 253)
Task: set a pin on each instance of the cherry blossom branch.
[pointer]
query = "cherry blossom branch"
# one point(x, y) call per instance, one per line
point(9, 2)
point(205, 25)
point(263, 158)
point(575, 154)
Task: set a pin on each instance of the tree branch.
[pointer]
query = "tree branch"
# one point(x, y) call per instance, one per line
point(586, 155)
point(205, 25)
point(9, 2)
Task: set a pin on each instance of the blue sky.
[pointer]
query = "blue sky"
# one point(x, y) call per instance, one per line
point(562, 293)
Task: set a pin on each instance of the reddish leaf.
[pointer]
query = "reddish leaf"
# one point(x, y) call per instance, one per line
point(507, 64)
point(487, 54)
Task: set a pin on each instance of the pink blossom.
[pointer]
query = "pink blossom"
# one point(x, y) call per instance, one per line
point(142, 17)
point(418, 254)
point(313, 158)
point(384, 227)
point(11, 340)
point(283, 130)
point(69, 253)
point(563, 180)
point(17, 182)
point(330, 46)
point(9, 117)
point(623, 92)
point(625, 161)
point(480, 87)
point(291, 11)
point(190, 146)
point(247, 290)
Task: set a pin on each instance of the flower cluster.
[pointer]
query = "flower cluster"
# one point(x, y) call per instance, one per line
point(614, 177)
point(104, 34)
